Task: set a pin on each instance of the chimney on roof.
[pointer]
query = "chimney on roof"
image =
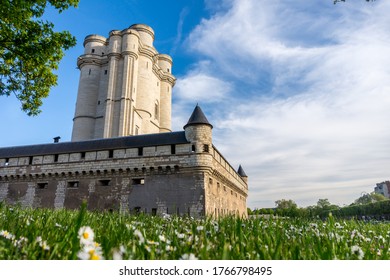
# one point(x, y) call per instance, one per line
point(57, 139)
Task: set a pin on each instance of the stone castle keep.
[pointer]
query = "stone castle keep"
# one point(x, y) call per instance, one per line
point(123, 155)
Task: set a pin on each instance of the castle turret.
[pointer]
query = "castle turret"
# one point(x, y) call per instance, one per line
point(198, 131)
point(242, 174)
point(88, 91)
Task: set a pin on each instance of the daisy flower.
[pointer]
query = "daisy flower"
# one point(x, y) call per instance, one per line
point(86, 235)
point(6, 234)
point(90, 252)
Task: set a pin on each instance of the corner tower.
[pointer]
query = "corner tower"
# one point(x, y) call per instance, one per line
point(125, 86)
point(198, 131)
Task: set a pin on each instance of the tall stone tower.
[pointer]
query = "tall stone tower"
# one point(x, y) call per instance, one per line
point(125, 86)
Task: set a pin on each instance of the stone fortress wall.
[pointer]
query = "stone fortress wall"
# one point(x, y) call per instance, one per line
point(189, 176)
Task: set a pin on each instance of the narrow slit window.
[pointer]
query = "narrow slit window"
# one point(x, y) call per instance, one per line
point(73, 184)
point(105, 182)
point(138, 181)
point(173, 149)
point(42, 185)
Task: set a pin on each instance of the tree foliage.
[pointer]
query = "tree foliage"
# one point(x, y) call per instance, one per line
point(30, 50)
point(285, 204)
point(367, 198)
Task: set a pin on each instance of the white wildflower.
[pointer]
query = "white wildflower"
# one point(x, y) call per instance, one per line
point(188, 257)
point(42, 243)
point(199, 228)
point(140, 236)
point(162, 238)
point(91, 251)
point(6, 234)
point(86, 235)
point(118, 253)
point(357, 251)
point(151, 242)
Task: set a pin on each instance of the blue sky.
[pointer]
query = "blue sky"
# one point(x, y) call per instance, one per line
point(298, 91)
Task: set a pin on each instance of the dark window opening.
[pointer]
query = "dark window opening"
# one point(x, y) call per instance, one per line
point(6, 161)
point(205, 148)
point(138, 181)
point(55, 158)
point(83, 155)
point(140, 151)
point(30, 160)
point(73, 184)
point(93, 51)
point(42, 185)
point(154, 211)
point(168, 70)
point(156, 111)
point(173, 149)
point(110, 153)
point(89, 72)
point(137, 210)
point(105, 182)
point(105, 72)
point(99, 102)
point(193, 148)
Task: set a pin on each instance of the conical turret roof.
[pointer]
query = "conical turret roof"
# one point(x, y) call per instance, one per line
point(197, 117)
point(241, 171)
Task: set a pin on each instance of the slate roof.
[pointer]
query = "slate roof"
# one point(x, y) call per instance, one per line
point(158, 139)
point(241, 172)
point(197, 117)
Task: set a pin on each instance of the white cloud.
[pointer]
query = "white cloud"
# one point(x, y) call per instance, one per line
point(306, 95)
point(201, 87)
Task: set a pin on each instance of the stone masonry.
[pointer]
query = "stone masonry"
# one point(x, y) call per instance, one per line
point(175, 173)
